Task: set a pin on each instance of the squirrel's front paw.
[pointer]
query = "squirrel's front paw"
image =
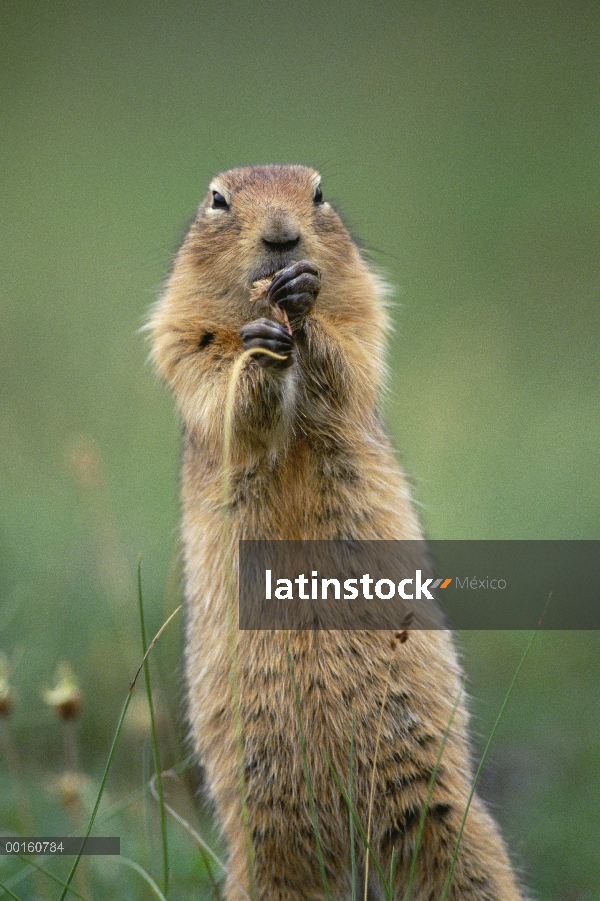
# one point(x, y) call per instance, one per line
point(295, 290)
point(268, 335)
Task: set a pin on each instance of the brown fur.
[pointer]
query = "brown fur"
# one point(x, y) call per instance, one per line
point(309, 460)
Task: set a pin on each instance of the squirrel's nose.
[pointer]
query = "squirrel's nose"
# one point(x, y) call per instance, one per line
point(281, 235)
point(281, 241)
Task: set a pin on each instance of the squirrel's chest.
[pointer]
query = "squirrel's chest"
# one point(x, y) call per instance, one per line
point(309, 493)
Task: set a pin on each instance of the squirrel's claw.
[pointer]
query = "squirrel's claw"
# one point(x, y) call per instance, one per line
point(295, 289)
point(267, 334)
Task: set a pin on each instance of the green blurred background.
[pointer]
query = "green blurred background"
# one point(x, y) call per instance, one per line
point(460, 141)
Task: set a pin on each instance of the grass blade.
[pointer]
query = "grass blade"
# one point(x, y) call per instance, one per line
point(138, 793)
point(51, 876)
point(196, 836)
point(101, 790)
point(373, 772)
point(8, 891)
point(311, 800)
point(393, 869)
point(361, 830)
point(157, 765)
point(211, 878)
point(112, 751)
point(351, 808)
point(413, 864)
point(482, 761)
point(138, 869)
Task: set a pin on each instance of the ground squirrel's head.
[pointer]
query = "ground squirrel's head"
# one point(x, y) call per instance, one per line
point(254, 222)
point(257, 219)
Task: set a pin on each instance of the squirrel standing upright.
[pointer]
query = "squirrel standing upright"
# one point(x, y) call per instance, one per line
point(309, 460)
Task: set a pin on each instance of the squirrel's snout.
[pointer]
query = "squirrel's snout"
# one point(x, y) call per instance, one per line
point(280, 233)
point(281, 243)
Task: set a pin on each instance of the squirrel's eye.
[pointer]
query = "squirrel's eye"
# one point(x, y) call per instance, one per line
point(219, 202)
point(318, 198)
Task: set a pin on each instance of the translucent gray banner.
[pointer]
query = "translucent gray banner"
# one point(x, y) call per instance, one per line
point(419, 585)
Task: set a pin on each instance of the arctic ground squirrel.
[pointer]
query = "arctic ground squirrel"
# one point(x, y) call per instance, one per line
point(268, 264)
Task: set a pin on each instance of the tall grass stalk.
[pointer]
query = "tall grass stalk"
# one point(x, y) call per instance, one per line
point(112, 750)
point(202, 844)
point(138, 793)
point(9, 892)
point(311, 800)
point(436, 766)
point(211, 878)
point(362, 831)
point(30, 867)
point(484, 756)
point(350, 810)
point(155, 748)
point(230, 601)
point(43, 872)
point(374, 771)
point(132, 864)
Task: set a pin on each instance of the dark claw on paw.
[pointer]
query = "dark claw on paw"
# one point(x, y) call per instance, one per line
point(295, 289)
point(268, 335)
point(306, 283)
